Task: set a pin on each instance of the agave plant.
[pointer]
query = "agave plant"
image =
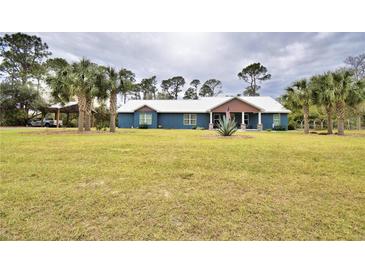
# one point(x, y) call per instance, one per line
point(226, 127)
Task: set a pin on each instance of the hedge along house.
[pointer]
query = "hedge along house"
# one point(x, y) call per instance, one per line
point(256, 112)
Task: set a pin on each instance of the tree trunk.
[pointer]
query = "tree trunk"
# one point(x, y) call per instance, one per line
point(113, 110)
point(26, 120)
point(329, 111)
point(67, 119)
point(81, 103)
point(42, 118)
point(306, 119)
point(340, 106)
point(88, 113)
point(358, 122)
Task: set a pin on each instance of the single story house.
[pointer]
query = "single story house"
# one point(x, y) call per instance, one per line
point(249, 112)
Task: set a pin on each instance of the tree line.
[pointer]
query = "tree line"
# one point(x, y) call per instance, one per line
point(28, 72)
point(339, 93)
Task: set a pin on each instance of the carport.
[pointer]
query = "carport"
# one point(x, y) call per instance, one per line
point(71, 107)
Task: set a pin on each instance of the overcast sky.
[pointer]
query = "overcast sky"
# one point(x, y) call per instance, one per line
point(288, 56)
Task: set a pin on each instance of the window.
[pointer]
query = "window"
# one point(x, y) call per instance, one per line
point(189, 119)
point(246, 119)
point(145, 118)
point(276, 119)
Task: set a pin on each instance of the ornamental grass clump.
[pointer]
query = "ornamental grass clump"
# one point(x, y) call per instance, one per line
point(226, 127)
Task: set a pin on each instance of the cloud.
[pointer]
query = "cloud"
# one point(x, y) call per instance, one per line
point(288, 56)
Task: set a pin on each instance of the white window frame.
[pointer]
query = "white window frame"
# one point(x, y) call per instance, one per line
point(278, 120)
point(145, 118)
point(190, 119)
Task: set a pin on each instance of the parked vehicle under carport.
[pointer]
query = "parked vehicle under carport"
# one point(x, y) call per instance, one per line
point(46, 123)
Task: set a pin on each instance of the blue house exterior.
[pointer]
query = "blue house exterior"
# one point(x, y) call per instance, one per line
point(171, 114)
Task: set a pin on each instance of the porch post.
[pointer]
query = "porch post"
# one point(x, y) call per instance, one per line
point(58, 117)
point(243, 125)
point(210, 120)
point(259, 125)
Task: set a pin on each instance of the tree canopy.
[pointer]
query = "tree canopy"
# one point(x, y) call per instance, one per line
point(22, 56)
point(22, 60)
point(254, 74)
point(148, 87)
point(357, 65)
point(173, 86)
point(192, 91)
point(211, 87)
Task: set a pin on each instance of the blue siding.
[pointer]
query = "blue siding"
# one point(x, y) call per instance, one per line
point(136, 119)
point(203, 120)
point(266, 120)
point(284, 120)
point(176, 120)
point(125, 120)
point(253, 119)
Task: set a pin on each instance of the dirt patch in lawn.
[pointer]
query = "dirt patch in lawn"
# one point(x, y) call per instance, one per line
point(58, 132)
point(362, 135)
point(347, 134)
point(227, 137)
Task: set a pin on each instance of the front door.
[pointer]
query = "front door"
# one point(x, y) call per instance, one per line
point(216, 118)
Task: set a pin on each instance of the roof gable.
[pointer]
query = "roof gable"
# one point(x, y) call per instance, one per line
point(235, 105)
point(145, 108)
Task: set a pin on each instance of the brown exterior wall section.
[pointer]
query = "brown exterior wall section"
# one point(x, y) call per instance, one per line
point(235, 105)
point(145, 109)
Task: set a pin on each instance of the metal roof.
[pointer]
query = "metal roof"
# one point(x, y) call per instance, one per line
point(205, 104)
point(70, 107)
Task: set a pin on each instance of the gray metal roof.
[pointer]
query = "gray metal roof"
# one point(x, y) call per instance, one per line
point(202, 105)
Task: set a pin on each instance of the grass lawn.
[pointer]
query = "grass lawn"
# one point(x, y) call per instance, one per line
point(181, 185)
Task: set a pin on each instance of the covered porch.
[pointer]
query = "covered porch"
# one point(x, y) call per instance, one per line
point(244, 120)
point(245, 115)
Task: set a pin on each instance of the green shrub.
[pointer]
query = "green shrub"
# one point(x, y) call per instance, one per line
point(194, 127)
point(72, 123)
point(279, 128)
point(291, 126)
point(102, 126)
point(102, 117)
point(143, 126)
point(226, 127)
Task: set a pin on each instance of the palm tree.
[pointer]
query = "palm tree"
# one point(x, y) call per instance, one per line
point(110, 84)
point(77, 79)
point(344, 93)
point(113, 85)
point(324, 95)
point(299, 95)
point(86, 75)
point(64, 86)
point(356, 101)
